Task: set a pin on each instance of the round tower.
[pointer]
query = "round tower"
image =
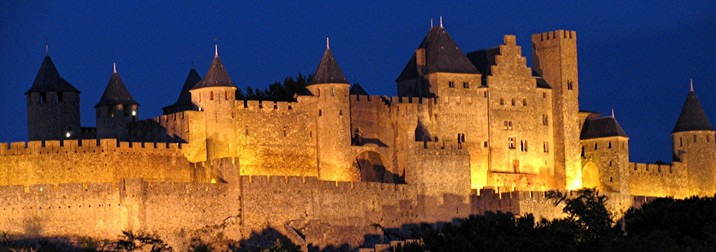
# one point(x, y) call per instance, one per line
point(331, 90)
point(116, 110)
point(693, 145)
point(215, 94)
point(53, 106)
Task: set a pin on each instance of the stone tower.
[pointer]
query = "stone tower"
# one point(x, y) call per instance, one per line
point(555, 60)
point(693, 145)
point(216, 96)
point(53, 106)
point(116, 110)
point(331, 91)
point(605, 154)
point(184, 103)
point(438, 68)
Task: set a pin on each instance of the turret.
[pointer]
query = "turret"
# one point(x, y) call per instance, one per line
point(693, 145)
point(331, 90)
point(554, 58)
point(437, 68)
point(116, 110)
point(215, 94)
point(605, 155)
point(184, 103)
point(53, 105)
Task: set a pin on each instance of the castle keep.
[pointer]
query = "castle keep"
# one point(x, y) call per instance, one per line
point(467, 133)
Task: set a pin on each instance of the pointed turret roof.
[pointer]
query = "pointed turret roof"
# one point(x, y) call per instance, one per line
point(692, 116)
point(184, 96)
point(116, 93)
point(357, 89)
point(328, 70)
point(602, 127)
point(216, 76)
point(48, 79)
point(441, 55)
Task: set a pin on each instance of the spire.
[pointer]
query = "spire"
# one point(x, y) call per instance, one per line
point(431, 23)
point(328, 70)
point(441, 22)
point(184, 100)
point(116, 92)
point(47, 48)
point(692, 85)
point(692, 116)
point(328, 43)
point(441, 55)
point(217, 75)
point(114, 64)
point(48, 79)
point(613, 113)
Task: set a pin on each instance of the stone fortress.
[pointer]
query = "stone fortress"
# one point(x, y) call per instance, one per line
point(467, 133)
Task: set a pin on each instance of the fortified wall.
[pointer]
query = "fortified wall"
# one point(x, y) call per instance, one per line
point(92, 161)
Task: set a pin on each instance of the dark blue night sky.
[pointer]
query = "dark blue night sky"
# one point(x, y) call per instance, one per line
point(634, 56)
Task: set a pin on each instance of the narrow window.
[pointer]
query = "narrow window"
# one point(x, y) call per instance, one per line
point(111, 113)
point(451, 84)
point(43, 98)
point(545, 147)
point(582, 151)
point(484, 94)
point(544, 95)
point(610, 145)
point(595, 146)
point(513, 101)
point(569, 85)
point(502, 101)
point(610, 179)
point(516, 165)
point(320, 112)
point(484, 144)
point(226, 95)
point(681, 142)
point(246, 130)
point(340, 112)
point(545, 119)
point(211, 96)
point(465, 85)
point(333, 92)
point(524, 102)
point(511, 143)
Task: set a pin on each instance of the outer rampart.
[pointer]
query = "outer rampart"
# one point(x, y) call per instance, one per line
point(658, 180)
point(90, 161)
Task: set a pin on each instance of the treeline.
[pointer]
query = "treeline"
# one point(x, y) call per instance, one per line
point(277, 91)
point(661, 225)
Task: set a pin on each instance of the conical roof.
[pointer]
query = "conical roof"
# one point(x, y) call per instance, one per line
point(184, 95)
point(116, 93)
point(49, 80)
point(692, 116)
point(441, 55)
point(357, 89)
point(328, 70)
point(216, 76)
point(602, 127)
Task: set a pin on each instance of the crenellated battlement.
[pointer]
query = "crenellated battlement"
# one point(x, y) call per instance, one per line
point(645, 169)
point(256, 105)
point(273, 183)
point(439, 148)
point(88, 145)
point(554, 35)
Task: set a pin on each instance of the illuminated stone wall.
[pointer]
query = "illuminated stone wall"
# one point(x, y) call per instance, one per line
point(86, 161)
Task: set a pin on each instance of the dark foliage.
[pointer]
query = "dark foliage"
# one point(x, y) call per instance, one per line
point(661, 225)
point(277, 91)
point(130, 241)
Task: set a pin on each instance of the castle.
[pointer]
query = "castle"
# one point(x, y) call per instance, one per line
point(467, 133)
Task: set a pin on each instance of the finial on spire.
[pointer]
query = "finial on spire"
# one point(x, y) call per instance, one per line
point(328, 43)
point(431, 23)
point(114, 64)
point(47, 48)
point(216, 49)
point(441, 22)
point(613, 113)
point(692, 85)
